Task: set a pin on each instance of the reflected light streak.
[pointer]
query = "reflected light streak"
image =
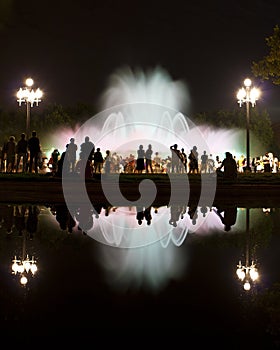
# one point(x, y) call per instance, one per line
point(150, 267)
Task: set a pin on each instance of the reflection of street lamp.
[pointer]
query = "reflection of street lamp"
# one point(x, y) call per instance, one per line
point(25, 265)
point(248, 272)
point(248, 95)
point(29, 97)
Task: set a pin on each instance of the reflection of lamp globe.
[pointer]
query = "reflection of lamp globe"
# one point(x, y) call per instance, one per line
point(240, 273)
point(247, 286)
point(248, 272)
point(21, 266)
point(23, 280)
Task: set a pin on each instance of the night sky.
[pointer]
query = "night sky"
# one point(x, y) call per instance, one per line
point(70, 48)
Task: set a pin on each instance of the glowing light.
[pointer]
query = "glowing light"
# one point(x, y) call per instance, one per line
point(247, 273)
point(247, 82)
point(247, 286)
point(29, 82)
point(26, 265)
point(248, 94)
point(23, 280)
point(29, 97)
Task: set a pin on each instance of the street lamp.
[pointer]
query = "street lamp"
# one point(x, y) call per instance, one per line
point(29, 96)
point(247, 273)
point(248, 95)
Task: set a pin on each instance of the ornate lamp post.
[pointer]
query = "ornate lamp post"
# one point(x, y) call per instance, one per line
point(248, 95)
point(29, 96)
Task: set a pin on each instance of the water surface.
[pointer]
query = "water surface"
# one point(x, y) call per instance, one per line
point(172, 274)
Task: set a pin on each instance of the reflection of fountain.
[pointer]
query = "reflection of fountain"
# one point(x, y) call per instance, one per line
point(150, 267)
point(24, 265)
point(247, 273)
point(140, 109)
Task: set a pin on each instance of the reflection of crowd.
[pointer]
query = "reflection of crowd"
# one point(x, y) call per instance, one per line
point(83, 218)
point(19, 219)
point(23, 219)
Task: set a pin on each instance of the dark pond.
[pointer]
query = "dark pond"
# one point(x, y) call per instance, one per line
point(168, 271)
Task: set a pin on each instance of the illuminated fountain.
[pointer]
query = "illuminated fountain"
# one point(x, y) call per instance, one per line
point(140, 108)
point(146, 108)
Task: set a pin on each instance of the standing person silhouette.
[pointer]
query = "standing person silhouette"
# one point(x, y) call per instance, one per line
point(148, 156)
point(11, 154)
point(193, 161)
point(72, 154)
point(175, 158)
point(183, 163)
point(88, 147)
point(204, 162)
point(84, 166)
point(98, 161)
point(4, 157)
point(157, 161)
point(108, 160)
point(140, 161)
point(22, 152)
point(34, 149)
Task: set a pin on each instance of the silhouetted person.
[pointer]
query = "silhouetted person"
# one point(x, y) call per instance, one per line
point(7, 213)
point(230, 167)
point(98, 161)
point(183, 164)
point(4, 157)
point(175, 158)
point(61, 215)
point(63, 165)
point(193, 213)
point(83, 166)
point(72, 154)
point(88, 148)
point(64, 218)
point(229, 216)
point(175, 212)
point(148, 215)
point(210, 164)
point(84, 216)
point(266, 163)
point(11, 154)
point(140, 161)
point(20, 218)
point(204, 211)
point(54, 160)
point(204, 162)
point(108, 162)
point(139, 215)
point(35, 150)
point(193, 161)
point(22, 153)
point(157, 162)
point(148, 156)
point(32, 220)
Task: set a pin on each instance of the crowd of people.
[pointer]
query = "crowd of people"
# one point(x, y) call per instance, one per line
point(25, 155)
